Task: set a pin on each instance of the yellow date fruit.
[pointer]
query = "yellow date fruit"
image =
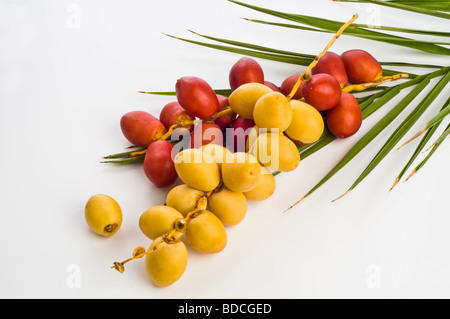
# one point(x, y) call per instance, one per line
point(229, 206)
point(184, 199)
point(158, 220)
point(167, 263)
point(307, 123)
point(216, 151)
point(103, 214)
point(241, 172)
point(264, 189)
point(206, 233)
point(197, 169)
point(273, 112)
point(276, 152)
point(242, 100)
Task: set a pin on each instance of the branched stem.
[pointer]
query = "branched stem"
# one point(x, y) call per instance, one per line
point(379, 81)
point(307, 74)
point(168, 134)
point(178, 231)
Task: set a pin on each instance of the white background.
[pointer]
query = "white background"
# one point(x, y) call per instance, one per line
point(70, 70)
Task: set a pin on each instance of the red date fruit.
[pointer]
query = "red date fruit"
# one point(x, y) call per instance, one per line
point(158, 164)
point(224, 120)
point(345, 119)
point(361, 66)
point(173, 113)
point(197, 97)
point(288, 84)
point(141, 128)
point(245, 70)
point(237, 134)
point(272, 86)
point(206, 133)
point(322, 91)
point(332, 64)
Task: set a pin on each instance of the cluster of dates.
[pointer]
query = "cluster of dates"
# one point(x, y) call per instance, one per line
point(319, 100)
point(225, 149)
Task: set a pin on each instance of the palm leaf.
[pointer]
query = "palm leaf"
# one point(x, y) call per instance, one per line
point(435, 146)
point(368, 107)
point(364, 26)
point(406, 30)
point(298, 60)
point(309, 57)
point(408, 7)
point(333, 26)
point(280, 55)
point(416, 153)
point(436, 5)
point(402, 129)
point(369, 103)
point(371, 36)
point(442, 137)
point(443, 6)
point(372, 133)
point(434, 121)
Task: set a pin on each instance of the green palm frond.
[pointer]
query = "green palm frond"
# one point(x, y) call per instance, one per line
point(333, 26)
point(377, 100)
point(430, 129)
point(432, 9)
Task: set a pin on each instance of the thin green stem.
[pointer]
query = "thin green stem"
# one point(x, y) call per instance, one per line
point(401, 6)
point(131, 160)
point(417, 151)
point(435, 146)
point(331, 25)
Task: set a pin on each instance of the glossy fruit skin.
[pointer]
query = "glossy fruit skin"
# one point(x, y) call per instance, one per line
point(218, 152)
point(241, 172)
point(224, 120)
point(206, 133)
point(361, 66)
point(243, 99)
point(252, 136)
point(197, 169)
point(206, 233)
point(237, 134)
point(276, 152)
point(264, 189)
point(273, 86)
point(332, 64)
point(158, 220)
point(273, 111)
point(103, 214)
point(141, 128)
point(229, 206)
point(184, 198)
point(299, 143)
point(166, 264)
point(173, 113)
point(307, 124)
point(346, 118)
point(158, 164)
point(245, 70)
point(288, 84)
point(322, 91)
point(197, 97)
